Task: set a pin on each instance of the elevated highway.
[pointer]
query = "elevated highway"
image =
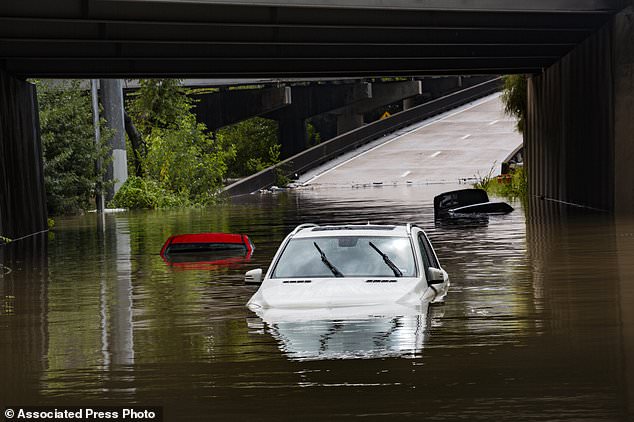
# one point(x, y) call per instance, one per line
point(457, 146)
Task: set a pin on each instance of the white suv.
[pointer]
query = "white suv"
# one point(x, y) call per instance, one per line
point(350, 265)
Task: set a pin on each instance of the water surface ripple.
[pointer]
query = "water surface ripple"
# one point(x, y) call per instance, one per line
point(538, 324)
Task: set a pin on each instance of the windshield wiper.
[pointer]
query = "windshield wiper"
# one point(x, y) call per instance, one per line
point(388, 261)
point(331, 267)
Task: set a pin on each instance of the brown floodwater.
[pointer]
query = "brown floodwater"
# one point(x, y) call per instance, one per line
point(538, 324)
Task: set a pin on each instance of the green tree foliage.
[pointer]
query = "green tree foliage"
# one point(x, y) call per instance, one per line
point(514, 97)
point(138, 192)
point(69, 150)
point(255, 144)
point(179, 157)
point(313, 136)
point(159, 103)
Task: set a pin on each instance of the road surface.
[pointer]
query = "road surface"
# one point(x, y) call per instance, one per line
point(457, 146)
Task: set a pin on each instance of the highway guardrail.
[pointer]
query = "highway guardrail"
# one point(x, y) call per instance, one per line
point(328, 150)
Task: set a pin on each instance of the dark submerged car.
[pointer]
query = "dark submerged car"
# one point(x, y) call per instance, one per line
point(467, 202)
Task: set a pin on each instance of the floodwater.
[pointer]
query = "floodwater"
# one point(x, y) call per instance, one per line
point(538, 324)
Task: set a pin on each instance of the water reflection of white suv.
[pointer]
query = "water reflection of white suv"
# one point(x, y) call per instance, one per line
point(351, 265)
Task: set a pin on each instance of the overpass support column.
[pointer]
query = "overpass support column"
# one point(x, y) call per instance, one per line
point(579, 136)
point(112, 100)
point(292, 134)
point(624, 112)
point(348, 121)
point(409, 103)
point(22, 195)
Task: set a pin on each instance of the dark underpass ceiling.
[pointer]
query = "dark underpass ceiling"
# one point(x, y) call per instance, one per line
point(171, 38)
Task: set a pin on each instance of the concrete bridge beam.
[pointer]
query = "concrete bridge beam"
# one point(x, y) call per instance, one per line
point(228, 107)
point(351, 116)
point(308, 101)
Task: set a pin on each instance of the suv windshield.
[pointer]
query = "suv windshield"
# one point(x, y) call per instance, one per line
point(352, 256)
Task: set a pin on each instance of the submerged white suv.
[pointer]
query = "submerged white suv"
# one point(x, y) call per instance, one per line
point(350, 265)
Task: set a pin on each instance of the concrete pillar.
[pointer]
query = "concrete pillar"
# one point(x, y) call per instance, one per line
point(348, 121)
point(112, 100)
point(569, 133)
point(624, 112)
point(326, 125)
point(292, 135)
point(22, 195)
point(409, 103)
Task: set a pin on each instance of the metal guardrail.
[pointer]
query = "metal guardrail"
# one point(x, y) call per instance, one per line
point(326, 151)
point(511, 158)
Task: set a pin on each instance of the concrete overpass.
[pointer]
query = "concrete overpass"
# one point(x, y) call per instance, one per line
point(305, 38)
point(580, 54)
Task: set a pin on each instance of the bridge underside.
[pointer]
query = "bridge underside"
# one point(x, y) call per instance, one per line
point(205, 38)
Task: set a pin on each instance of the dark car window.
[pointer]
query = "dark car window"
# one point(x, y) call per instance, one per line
point(429, 258)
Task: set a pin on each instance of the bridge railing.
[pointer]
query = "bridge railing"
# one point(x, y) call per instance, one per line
point(328, 150)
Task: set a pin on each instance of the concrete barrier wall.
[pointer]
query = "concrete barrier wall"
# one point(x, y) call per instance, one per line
point(22, 196)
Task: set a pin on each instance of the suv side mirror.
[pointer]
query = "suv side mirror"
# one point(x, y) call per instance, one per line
point(436, 276)
point(253, 276)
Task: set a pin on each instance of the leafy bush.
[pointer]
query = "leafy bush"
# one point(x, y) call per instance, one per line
point(255, 144)
point(139, 192)
point(179, 156)
point(186, 161)
point(69, 151)
point(485, 182)
point(516, 188)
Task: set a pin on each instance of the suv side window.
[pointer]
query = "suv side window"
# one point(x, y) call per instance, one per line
point(429, 258)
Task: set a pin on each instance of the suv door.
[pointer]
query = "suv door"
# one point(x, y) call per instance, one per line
point(427, 252)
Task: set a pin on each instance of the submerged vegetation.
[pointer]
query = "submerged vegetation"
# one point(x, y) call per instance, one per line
point(512, 186)
point(178, 162)
point(139, 192)
point(175, 161)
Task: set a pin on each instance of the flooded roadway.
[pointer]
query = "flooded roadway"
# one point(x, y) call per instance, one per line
point(538, 324)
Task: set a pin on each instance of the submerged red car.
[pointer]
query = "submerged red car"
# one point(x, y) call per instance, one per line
point(204, 250)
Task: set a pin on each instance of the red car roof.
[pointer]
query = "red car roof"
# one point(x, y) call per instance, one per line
point(192, 238)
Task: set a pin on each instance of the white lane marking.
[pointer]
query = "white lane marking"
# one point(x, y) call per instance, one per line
point(466, 136)
point(405, 174)
point(475, 104)
point(435, 154)
point(493, 122)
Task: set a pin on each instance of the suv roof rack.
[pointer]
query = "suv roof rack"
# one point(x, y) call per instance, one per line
point(304, 226)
